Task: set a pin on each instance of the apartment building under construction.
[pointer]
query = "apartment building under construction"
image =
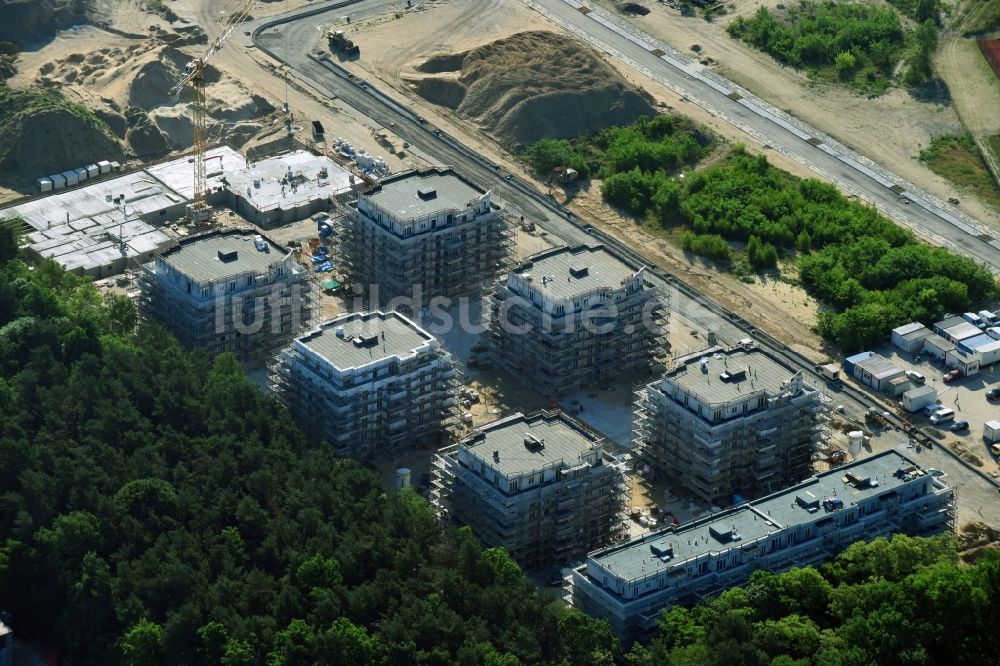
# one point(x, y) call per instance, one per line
point(369, 383)
point(228, 291)
point(421, 234)
point(729, 424)
point(631, 584)
point(570, 317)
point(541, 486)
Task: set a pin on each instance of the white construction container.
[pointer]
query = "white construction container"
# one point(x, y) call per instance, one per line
point(104, 166)
point(916, 399)
point(93, 170)
point(71, 178)
point(991, 432)
point(58, 181)
point(81, 174)
point(44, 184)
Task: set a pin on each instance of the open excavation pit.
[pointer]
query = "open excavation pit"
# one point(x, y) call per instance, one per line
point(530, 86)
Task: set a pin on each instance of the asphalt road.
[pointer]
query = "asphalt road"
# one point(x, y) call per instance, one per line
point(286, 40)
point(922, 215)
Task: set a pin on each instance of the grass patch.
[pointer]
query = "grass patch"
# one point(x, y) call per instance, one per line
point(957, 159)
point(984, 18)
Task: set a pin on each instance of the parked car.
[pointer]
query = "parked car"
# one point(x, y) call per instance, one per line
point(943, 416)
point(916, 377)
point(933, 407)
point(993, 393)
point(951, 376)
point(959, 426)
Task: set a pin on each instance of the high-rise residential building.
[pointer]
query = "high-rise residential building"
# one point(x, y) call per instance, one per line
point(631, 584)
point(228, 291)
point(541, 486)
point(369, 383)
point(734, 423)
point(574, 316)
point(421, 234)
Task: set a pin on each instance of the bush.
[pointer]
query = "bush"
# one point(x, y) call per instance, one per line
point(830, 40)
point(712, 246)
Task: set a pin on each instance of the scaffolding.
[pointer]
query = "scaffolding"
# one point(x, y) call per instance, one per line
point(253, 321)
point(413, 405)
point(558, 355)
point(581, 507)
point(760, 450)
point(458, 256)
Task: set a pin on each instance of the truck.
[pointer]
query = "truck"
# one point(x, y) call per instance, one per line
point(830, 371)
point(991, 432)
point(339, 42)
point(318, 133)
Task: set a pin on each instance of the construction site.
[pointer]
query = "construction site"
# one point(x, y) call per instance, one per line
point(727, 424)
point(541, 486)
point(418, 235)
point(572, 317)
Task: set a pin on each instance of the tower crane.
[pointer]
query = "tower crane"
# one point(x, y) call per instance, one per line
point(194, 75)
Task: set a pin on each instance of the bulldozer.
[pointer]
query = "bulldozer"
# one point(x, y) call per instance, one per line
point(339, 42)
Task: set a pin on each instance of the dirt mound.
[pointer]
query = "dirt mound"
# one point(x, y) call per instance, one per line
point(41, 133)
point(632, 9)
point(531, 86)
point(27, 20)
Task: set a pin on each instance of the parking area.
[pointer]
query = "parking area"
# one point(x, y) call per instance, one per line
point(965, 395)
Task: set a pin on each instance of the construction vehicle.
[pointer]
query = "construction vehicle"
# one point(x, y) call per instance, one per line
point(339, 42)
point(198, 210)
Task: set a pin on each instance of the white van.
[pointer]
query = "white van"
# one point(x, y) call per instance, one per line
point(989, 317)
point(942, 416)
point(974, 319)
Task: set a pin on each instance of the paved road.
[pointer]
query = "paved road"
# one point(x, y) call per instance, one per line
point(925, 215)
point(286, 41)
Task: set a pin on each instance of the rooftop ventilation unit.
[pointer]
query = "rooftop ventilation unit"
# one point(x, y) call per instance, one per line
point(228, 255)
point(734, 376)
point(365, 340)
point(579, 270)
point(533, 443)
point(426, 193)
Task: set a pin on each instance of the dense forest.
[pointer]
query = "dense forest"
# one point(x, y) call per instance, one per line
point(873, 274)
point(156, 508)
point(904, 601)
point(854, 43)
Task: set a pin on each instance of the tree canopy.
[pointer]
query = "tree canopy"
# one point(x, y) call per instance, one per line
point(157, 508)
point(900, 601)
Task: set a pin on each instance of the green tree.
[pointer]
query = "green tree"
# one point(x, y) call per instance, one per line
point(845, 63)
point(142, 645)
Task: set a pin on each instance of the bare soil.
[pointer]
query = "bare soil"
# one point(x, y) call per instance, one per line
point(890, 129)
point(530, 86)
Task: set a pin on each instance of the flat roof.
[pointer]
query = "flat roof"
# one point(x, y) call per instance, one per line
point(178, 174)
point(962, 331)
point(978, 342)
point(911, 331)
point(635, 559)
point(762, 373)
point(879, 366)
point(388, 335)
point(408, 194)
point(261, 183)
point(576, 270)
point(940, 342)
point(564, 441)
point(950, 321)
point(198, 258)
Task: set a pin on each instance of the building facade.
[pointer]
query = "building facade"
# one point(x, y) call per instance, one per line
point(369, 383)
point(541, 486)
point(421, 234)
point(569, 317)
point(228, 291)
point(631, 584)
point(733, 424)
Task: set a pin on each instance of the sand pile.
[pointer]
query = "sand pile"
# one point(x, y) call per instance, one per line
point(40, 133)
point(129, 89)
point(25, 21)
point(530, 86)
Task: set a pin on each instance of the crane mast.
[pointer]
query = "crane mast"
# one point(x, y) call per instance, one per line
point(199, 211)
